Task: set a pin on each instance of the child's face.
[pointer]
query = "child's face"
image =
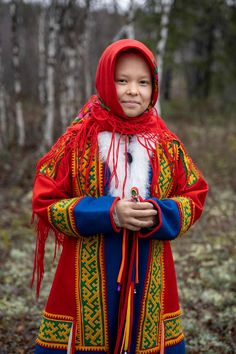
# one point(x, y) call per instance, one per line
point(133, 82)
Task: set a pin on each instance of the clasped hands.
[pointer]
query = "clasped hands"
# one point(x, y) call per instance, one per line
point(135, 215)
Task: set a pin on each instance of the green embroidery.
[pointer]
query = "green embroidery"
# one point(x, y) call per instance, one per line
point(190, 169)
point(186, 213)
point(54, 331)
point(61, 217)
point(151, 320)
point(173, 328)
point(91, 293)
point(165, 177)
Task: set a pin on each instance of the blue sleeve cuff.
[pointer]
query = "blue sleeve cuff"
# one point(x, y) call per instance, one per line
point(94, 215)
point(170, 218)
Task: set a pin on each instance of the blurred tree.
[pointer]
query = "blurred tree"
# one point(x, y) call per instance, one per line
point(161, 43)
point(3, 115)
point(50, 76)
point(20, 124)
point(127, 30)
point(42, 55)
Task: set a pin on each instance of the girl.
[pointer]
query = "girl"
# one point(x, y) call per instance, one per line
point(116, 188)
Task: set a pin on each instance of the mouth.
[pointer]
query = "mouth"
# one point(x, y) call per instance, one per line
point(130, 103)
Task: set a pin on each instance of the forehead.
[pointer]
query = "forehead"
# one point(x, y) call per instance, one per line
point(132, 61)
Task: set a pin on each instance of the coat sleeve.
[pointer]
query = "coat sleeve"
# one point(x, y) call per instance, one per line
point(185, 205)
point(78, 216)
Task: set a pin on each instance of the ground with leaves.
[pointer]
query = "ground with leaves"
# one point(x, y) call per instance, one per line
point(204, 257)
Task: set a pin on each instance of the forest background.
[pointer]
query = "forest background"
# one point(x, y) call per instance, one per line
point(48, 56)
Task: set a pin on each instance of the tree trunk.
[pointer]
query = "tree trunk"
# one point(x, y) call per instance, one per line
point(67, 40)
point(71, 54)
point(127, 31)
point(20, 124)
point(161, 45)
point(42, 56)
point(50, 79)
point(86, 61)
point(84, 68)
point(3, 115)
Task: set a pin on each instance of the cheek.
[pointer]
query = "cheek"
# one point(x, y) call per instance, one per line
point(118, 91)
point(148, 94)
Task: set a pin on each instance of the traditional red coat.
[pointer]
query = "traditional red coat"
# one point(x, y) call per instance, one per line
point(84, 292)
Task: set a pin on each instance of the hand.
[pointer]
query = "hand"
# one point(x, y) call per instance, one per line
point(135, 216)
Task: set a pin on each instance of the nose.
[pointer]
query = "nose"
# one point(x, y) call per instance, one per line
point(132, 89)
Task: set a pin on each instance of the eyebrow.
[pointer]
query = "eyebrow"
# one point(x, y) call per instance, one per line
point(141, 77)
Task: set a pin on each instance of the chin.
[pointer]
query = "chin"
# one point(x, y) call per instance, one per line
point(132, 114)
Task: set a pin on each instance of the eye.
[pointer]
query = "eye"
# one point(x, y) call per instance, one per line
point(121, 81)
point(144, 82)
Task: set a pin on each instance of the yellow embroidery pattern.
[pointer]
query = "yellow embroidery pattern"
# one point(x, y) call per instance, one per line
point(54, 331)
point(61, 216)
point(50, 168)
point(91, 293)
point(185, 207)
point(94, 179)
point(165, 177)
point(191, 171)
point(173, 328)
point(165, 180)
point(149, 326)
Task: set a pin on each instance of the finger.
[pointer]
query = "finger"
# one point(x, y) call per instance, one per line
point(142, 206)
point(133, 228)
point(143, 213)
point(141, 223)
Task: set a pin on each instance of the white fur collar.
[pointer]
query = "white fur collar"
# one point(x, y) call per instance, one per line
point(138, 170)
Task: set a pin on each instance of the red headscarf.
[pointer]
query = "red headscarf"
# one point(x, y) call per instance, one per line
point(106, 70)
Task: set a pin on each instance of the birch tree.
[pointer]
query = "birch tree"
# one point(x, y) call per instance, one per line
point(83, 51)
point(42, 55)
point(3, 115)
point(161, 44)
point(127, 31)
point(20, 124)
point(50, 77)
point(67, 41)
point(72, 56)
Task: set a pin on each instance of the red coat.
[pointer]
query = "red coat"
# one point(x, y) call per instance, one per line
point(84, 291)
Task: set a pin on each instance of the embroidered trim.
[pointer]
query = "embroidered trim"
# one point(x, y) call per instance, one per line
point(191, 171)
point(77, 293)
point(54, 331)
point(50, 168)
point(93, 177)
point(74, 168)
point(104, 293)
point(57, 316)
point(63, 346)
point(148, 340)
point(173, 329)
point(61, 216)
point(185, 209)
point(172, 314)
point(165, 180)
point(91, 293)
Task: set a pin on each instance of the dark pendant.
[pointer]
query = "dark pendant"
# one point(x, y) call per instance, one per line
point(130, 158)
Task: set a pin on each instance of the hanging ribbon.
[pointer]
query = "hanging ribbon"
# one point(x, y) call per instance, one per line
point(127, 280)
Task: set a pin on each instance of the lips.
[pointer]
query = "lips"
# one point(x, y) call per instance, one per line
point(131, 103)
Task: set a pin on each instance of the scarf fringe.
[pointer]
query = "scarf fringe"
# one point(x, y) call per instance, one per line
point(42, 231)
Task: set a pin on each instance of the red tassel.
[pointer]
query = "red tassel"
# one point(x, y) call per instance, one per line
point(42, 231)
